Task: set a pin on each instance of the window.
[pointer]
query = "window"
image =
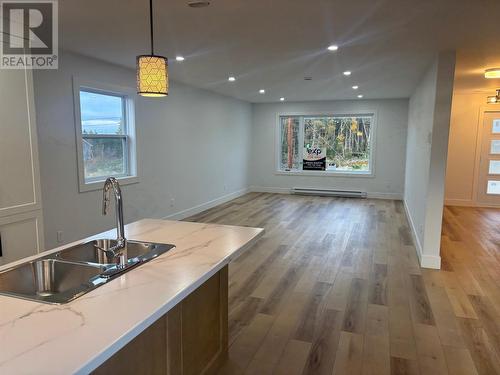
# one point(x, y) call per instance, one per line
point(106, 137)
point(331, 144)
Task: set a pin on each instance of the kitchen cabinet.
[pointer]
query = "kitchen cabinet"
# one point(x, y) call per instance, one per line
point(191, 339)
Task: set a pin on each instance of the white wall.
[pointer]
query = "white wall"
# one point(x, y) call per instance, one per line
point(418, 149)
point(388, 181)
point(193, 146)
point(426, 153)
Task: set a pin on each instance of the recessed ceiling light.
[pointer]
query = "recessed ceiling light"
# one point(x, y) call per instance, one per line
point(355, 87)
point(262, 91)
point(179, 58)
point(492, 73)
point(198, 3)
point(360, 96)
point(231, 79)
point(347, 73)
point(333, 47)
point(282, 99)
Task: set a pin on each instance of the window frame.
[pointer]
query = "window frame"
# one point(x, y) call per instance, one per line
point(328, 173)
point(129, 136)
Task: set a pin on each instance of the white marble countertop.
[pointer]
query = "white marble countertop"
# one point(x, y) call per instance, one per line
point(77, 337)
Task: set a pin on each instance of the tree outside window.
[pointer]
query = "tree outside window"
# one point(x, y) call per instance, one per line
point(347, 140)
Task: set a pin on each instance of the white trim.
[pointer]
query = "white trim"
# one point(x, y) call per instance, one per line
point(430, 261)
point(413, 229)
point(426, 261)
point(98, 184)
point(459, 202)
point(277, 143)
point(132, 158)
point(276, 190)
point(388, 196)
point(468, 203)
point(207, 205)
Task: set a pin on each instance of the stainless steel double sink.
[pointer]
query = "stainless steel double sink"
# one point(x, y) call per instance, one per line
point(68, 274)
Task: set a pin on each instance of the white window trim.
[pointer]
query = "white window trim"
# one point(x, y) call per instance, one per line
point(132, 161)
point(373, 143)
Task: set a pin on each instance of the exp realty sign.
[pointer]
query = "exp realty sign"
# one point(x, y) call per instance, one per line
point(314, 159)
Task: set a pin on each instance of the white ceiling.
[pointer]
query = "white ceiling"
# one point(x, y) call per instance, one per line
point(273, 44)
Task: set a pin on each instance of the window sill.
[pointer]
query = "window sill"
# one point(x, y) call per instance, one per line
point(326, 174)
point(97, 185)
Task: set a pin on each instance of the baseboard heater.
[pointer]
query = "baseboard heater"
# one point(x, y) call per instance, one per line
point(329, 192)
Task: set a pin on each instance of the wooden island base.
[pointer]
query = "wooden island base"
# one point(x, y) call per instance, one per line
point(190, 339)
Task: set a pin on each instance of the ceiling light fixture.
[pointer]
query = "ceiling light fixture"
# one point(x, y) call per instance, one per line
point(492, 73)
point(282, 99)
point(495, 99)
point(231, 79)
point(262, 91)
point(179, 58)
point(152, 70)
point(333, 47)
point(347, 73)
point(355, 87)
point(198, 4)
point(360, 96)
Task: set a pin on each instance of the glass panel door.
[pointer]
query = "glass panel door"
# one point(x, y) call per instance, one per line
point(488, 191)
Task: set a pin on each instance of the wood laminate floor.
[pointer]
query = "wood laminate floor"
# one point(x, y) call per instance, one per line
point(334, 287)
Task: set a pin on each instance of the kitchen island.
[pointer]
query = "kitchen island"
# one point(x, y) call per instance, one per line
point(166, 316)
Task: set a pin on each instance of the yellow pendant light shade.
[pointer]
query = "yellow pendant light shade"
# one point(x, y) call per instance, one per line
point(152, 70)
point(152, 75)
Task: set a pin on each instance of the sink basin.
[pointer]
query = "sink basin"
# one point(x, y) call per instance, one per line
point(50, 280)
point(93, 251)
point(63, 276)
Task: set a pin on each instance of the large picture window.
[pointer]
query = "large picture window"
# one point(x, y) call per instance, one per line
point(343, 143)
point(105, 132)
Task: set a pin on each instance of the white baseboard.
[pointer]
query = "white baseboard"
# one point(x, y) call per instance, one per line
point(459, 202)
point(416, 241)
point(207, 205)
point(468, 203)
point(426, 261)
point(279, 190)
point(262, 189)
point(430, 261)
point(389, 196)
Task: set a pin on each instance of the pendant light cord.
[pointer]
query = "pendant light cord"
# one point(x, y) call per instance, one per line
point(151, 25)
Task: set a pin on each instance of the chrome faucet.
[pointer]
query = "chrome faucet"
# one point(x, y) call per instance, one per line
point(119, 251)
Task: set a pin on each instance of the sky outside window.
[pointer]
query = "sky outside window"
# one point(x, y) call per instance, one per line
point(100, 113)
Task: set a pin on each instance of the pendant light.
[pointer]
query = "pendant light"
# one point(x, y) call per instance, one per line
point(152, 70)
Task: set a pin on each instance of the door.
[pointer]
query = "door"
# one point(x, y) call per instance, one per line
point(488, 189)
